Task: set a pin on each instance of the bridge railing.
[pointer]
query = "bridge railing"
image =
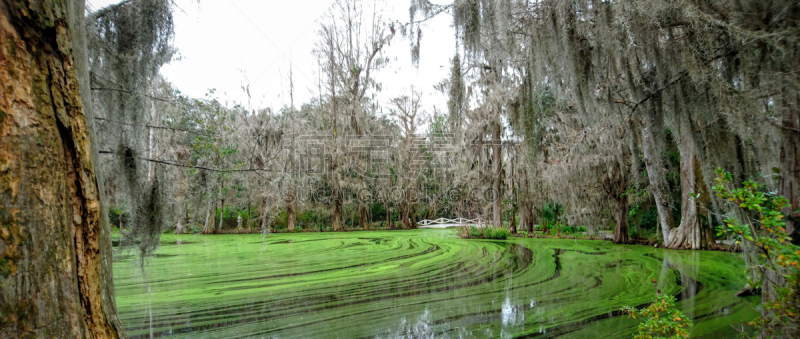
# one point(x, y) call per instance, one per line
point(458, 221)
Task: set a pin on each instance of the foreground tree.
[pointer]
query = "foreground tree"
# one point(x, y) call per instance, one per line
point(55, 269)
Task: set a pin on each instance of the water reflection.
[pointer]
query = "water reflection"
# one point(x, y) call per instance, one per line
point(686, 264)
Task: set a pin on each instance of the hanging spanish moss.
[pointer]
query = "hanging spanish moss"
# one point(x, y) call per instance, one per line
point(128, 44)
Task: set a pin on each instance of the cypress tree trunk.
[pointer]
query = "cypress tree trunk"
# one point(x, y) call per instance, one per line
point(388, 217)
point(413, 215)
point(337, 212)
point(291, 220)
point(497, 168)
point(55, 273)
point(221, 214)
point(248, 216)
point(179, 226)
point(515, 202)
point(526, 210)
point(789, 188)
point(616, 188)
point(689, 234)
point(362, 216)
point(513, 226)
point(651, 143)
point(262, 212)
point(621, 232)
point(404, 215)
point(206, 228)
point(790, 167)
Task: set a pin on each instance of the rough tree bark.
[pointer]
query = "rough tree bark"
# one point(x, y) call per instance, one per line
point(526, 218)
point(207, 226)
point(515, 202)
point(413, 215)
point(790, 189)
point(362, 216)
point(617, 188)
point(497, 169)
point(652, 142)
point(621, 232)
point(221, 215)
point(513, 226)
point(790, 167)
point(338, 225)
point(182, 215)
point(690, 233)
point(55, 248)
point(291, 219)
point(249, 229)
point(408, 209)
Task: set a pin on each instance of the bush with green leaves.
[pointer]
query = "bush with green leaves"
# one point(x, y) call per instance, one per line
point(764, 225)
point(551, 213)
point(483, 232)
point(661, 319)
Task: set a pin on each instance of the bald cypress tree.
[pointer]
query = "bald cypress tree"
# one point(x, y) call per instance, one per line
point(55, 249)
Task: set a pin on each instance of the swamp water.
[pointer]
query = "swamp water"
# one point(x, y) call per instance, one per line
point(417, 284)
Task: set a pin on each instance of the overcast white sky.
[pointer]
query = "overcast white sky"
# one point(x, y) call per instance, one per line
point(224, 44)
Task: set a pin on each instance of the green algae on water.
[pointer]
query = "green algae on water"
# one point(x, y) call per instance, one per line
point(420, 283)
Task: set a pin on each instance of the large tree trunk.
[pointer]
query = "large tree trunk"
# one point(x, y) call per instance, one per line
point(55, 272)
point(362, 216)
point(513, 226)
point(249, 229)
point(790, 167)
point(291, 219)
point(621, 232)
point(514, 203)
point(617, 188)
point(497, 169)
point(207, 226)
point(790, 189)
point(183, 216)
point(412, 211)
point(527, 216)
point(221, 215)
point(689, 234)
point(652, 142)
point(404, 215)
point(389, 217)
point(265, 223)
point(338, 225)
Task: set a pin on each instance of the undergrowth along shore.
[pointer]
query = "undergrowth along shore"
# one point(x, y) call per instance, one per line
point(473, 232)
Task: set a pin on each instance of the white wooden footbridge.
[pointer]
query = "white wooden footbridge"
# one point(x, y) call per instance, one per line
point(445, 223)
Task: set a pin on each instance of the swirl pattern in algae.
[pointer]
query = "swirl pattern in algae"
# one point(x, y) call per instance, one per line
point(416, 284)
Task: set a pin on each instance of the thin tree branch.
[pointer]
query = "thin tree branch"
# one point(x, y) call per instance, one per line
point(156, 127)
point(157, 161)
point(131, 92)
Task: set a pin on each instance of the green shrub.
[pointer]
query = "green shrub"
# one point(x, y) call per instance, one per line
point(483, 232)
point(661, 319)
point(551, 212)
point(117, 215)
point(763, 224)
point(496, 233)
point(475, 232)
point(567, 229)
